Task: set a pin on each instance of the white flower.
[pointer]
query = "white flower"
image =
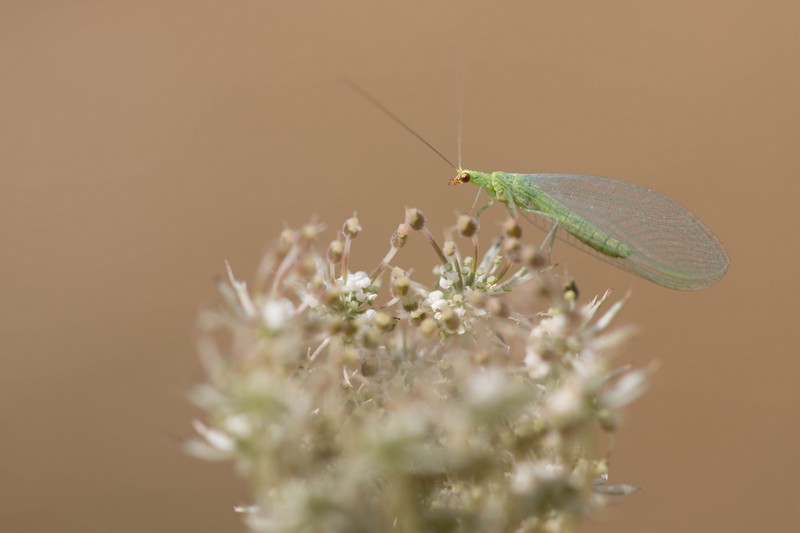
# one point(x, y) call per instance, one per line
point(447, 278)
point(277, 313)
point(549, 328)
point(523, 479)
point(356, 284)
point(538, 368)
point(217, 440)
point(527, 476)
point(436, 301)
point(434, 296)
point(566, 404)
point(628, 388)
point(356, 281)
point(239, 425)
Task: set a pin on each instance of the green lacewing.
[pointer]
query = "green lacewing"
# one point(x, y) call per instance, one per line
point(632, 227)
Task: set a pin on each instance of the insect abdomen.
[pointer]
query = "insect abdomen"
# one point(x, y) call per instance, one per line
point(600, 241)
point(577, 226)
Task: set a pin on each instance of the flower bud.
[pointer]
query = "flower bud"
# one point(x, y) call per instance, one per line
point(608, 420)
point(571, 290)
point(335, 251)
point(334, 325)
point(384, 321)
point(370, 366)
point(415, 219)
point(466, 225)
point(400, 285)
point(332, 295)
point(308, 266)
point(310, 231)
point(534, 258)
point(371, 338)
point(349, 355)
point(449, 248)
point(450, 319)
point(317, 282)
point(409, 303)
point(468, 262)
point(400, 236)
point(428, 327)
point(285, 241)
point(512, 228)
point(477, 299)
point(348, 327)
point(351, 227)
point(497, 307)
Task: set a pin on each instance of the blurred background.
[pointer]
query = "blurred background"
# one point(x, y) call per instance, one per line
point(144, 143)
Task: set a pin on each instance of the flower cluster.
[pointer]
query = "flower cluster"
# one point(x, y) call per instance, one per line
point(359, 402)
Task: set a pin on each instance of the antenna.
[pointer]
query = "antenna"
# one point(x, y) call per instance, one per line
point(358, 89)
point(460, 103)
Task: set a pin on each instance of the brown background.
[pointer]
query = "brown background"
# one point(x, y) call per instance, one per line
point(143, 144)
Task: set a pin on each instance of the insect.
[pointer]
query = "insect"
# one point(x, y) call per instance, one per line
point(632, 227)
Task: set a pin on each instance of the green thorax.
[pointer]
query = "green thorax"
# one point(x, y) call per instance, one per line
point(512, 189)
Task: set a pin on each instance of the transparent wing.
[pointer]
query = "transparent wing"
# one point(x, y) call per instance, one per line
point(670, 246)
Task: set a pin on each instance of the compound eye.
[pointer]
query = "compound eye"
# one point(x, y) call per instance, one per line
point(464, 177)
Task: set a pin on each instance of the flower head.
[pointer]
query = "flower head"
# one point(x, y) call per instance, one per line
point(467, 400)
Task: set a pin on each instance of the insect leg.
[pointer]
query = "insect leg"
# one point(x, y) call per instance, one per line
point(481, 210)
point(512, 206)
point(475, 201)
point(551, 237)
